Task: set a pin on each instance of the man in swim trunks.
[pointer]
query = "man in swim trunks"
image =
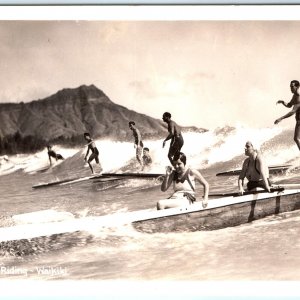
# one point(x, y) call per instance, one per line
point(295, 102)
point(52, 153)
point(95, 153)
point(138, 143)
point(255, 170)
point(175, 136)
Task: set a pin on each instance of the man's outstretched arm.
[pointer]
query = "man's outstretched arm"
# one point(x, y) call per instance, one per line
point(290, 113)
point(289, 104)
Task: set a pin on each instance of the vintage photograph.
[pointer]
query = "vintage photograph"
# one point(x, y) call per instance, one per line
point(149, 150)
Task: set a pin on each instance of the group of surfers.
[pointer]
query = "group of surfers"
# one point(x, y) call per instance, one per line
point(183, 178)
point(254, 167)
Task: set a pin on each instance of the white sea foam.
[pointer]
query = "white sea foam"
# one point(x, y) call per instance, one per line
point(202, 150)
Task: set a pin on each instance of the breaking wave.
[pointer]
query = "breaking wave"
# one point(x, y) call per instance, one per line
point(204, 150)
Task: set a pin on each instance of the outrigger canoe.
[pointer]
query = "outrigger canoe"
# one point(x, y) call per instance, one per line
point(226, 211)
point(222, 211)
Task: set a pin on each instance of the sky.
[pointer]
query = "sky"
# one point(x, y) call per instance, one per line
point(206, 73)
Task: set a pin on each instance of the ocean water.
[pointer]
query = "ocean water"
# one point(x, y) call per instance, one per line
point(263, 250)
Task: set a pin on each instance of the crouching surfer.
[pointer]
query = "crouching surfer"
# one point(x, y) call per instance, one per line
point(255, 170)
point(183, 180)
point(53, 154)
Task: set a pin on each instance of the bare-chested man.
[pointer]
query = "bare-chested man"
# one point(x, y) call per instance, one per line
point(255, 170)
point(91, 146)
point(138, 143)
point(295, 102)
point(175, 136)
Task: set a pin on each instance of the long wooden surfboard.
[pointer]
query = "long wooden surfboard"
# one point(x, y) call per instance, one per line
point(103, 178)
point(272, 170)
point(133, 175)
point(72, 180)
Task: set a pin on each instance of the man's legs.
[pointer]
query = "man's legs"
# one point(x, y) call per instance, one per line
point(98, 162)
point(92, 156)
point(175, 148)
point(297, 134)
point(171, 154)
point(91, 167)
point(139, 151)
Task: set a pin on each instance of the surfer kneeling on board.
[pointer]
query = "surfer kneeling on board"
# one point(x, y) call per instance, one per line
point(95, 153)
point(52, 153)
point(183, 180)
point(147, 160)
point(255, 170)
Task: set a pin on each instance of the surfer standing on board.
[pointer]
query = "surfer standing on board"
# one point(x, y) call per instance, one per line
point(52, 153)
point(255, 170)
point(183, 180)
point(138, 143)
point(295, 102)
point(175, 136)
point(95, 153)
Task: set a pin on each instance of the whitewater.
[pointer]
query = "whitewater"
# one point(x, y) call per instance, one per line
point(262, 250)
point(202, 149)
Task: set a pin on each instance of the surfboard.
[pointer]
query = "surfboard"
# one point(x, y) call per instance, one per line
point(102, 178)
point(272, 170)
point(133, 175)
point(66, 181)
point(99, 178)
point(47, 184)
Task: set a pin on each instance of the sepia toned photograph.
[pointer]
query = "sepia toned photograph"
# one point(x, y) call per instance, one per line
point(150, 152)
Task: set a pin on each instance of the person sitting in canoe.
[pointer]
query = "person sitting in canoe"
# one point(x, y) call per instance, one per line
point(255, 170)
point(95, 153)
point(52, 153)
point(183, 180)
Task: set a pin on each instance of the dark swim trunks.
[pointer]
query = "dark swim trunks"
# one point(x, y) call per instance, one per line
point(175, 146)
point(254, 184)
point(52, 153)
point(95, 156)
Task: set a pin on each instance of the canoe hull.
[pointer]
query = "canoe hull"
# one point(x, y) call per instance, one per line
point(220, 217)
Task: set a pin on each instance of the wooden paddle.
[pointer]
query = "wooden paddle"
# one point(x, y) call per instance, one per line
point(288, 185)
point(236, 194)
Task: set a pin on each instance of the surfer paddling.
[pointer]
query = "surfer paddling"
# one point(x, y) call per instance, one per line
point(295, 102)
point(174, 135)
point(53, 154)
point(138, 143)
point(183, 180)
point(95, 153)
point(255, 170)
